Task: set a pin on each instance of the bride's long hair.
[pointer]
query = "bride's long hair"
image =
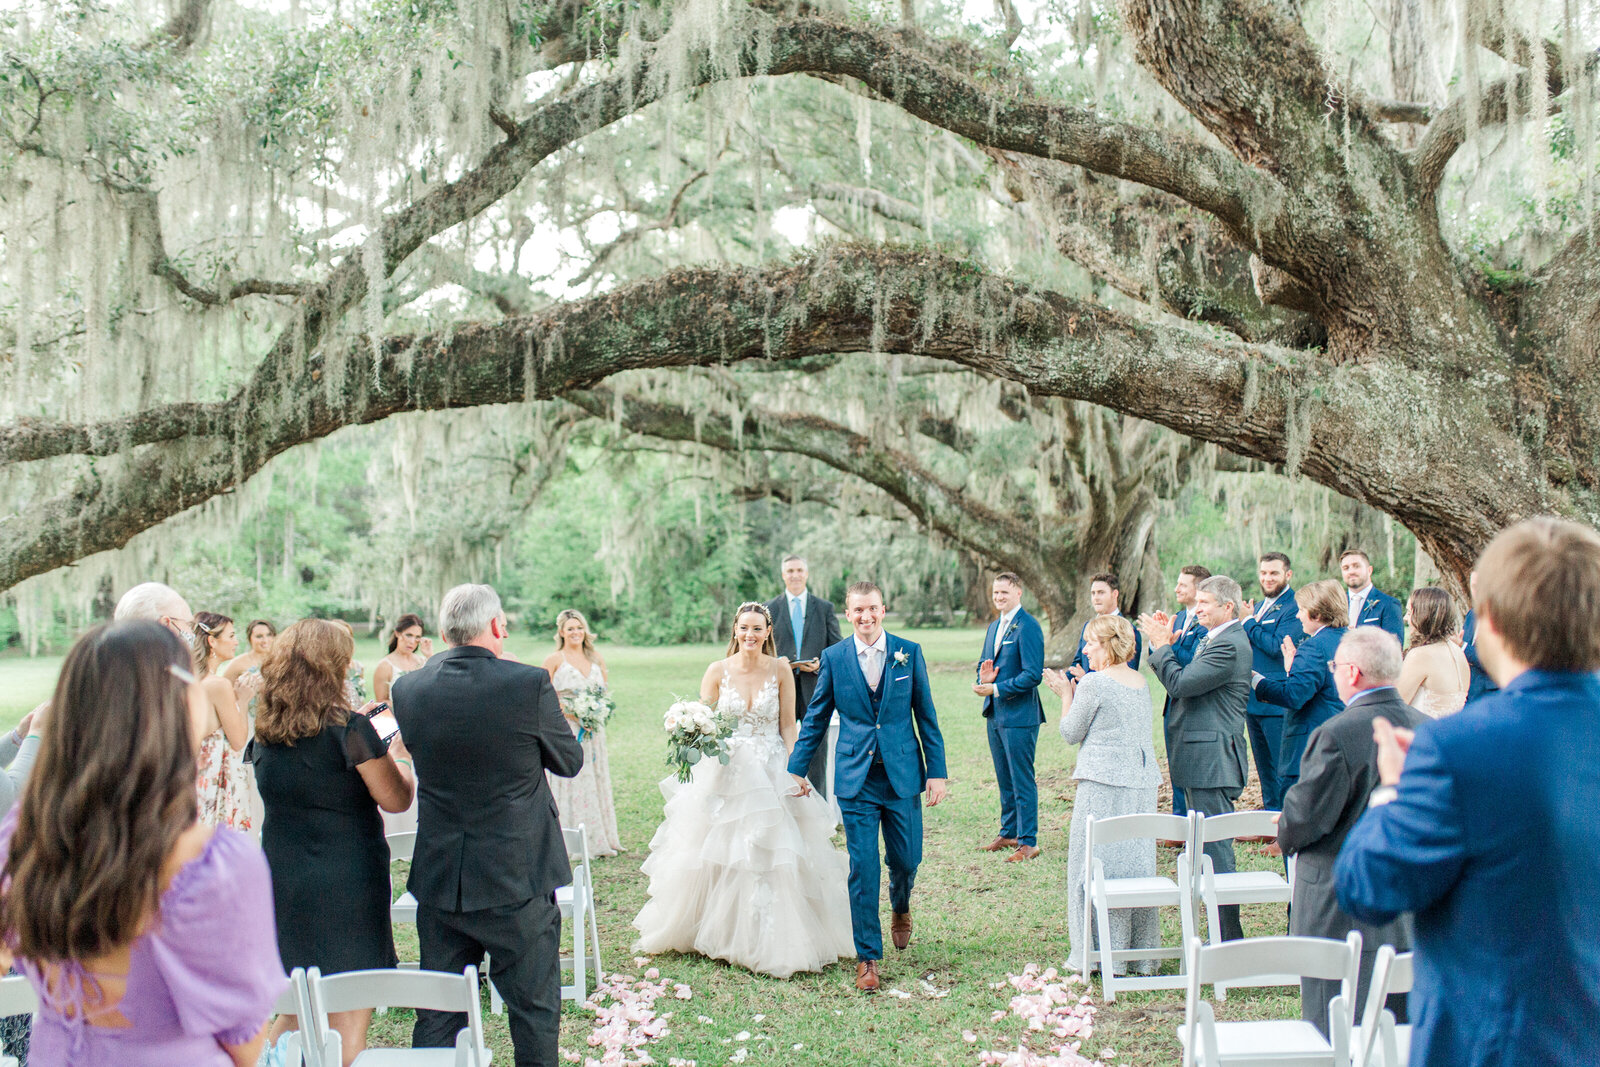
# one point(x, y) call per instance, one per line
point(768, 647)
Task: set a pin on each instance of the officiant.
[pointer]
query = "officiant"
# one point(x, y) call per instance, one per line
point(803, 625)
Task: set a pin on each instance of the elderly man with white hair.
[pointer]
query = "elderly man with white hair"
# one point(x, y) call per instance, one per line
point(158, 603)
point(489, 852)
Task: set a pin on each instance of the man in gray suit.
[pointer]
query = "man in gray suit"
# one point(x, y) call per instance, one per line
point(1337, 775)
point(1206, 721)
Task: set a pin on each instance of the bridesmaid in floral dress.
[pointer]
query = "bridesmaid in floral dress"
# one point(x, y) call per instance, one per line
point(244, 671)
point(224, 792)
point(585, 799)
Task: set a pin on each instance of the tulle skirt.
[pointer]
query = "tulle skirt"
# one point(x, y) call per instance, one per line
point(741, 871)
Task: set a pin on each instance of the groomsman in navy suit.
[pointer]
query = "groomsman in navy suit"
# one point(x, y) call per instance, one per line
point(1369, 605)
point(1485, 830)
point(1187, 633)
point(1105, 596)
point(1480, 682)
point(890, 751)
point(1266, 624)
point(802, 626)
point(1008, 681)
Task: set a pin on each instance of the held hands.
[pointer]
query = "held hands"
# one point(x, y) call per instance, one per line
point(938, 789)
point(1157, 630)
point(802, 787)
point(1059, 683)
point(1288, 654)
point(1393, 744)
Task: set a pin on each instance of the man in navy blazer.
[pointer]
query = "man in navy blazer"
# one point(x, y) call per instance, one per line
point(1369, 605)
point(1486, 830)
point(1008, 681)
point(1266, 624)
point(889, 751)
point(1479, 681)
point(1105, 597)
point(1187, 633)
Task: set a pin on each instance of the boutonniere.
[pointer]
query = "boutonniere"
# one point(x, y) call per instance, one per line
point(900, 657)
point(1009, 630)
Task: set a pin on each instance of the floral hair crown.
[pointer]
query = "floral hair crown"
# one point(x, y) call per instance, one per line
point(751, 605)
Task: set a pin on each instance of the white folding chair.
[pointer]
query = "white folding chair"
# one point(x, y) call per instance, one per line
point(1279, 1042)
point(16, 998)
point(577, 907)
point(1102, 895)
point(403, 846)
point(1380, 1041)
point(292, 1001)
point(431, 990)
point(1241, 887)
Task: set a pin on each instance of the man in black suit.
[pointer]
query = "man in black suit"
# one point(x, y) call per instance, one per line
point(489, 853)
point(803, 625)
point(1338, 773)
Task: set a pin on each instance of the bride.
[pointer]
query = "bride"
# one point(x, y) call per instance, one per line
point(743, 868)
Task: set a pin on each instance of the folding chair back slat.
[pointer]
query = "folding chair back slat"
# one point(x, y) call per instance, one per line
point(402, 845)
point(1138, 827)
point(17, 996)
point(1230, 825)
point(432, 990)
point(1304, 957)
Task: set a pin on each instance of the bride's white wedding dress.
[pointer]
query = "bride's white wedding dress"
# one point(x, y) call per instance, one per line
point(740, 870)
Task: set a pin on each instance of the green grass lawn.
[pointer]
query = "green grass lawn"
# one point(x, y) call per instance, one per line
point(978, 918)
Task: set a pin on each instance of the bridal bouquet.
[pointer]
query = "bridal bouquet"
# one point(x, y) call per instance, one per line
point(694, 730)
point(591, 706)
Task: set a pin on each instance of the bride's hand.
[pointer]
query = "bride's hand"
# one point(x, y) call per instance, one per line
point(803, 786)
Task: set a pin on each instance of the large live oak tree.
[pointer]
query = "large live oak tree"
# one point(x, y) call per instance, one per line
point(1339, 334)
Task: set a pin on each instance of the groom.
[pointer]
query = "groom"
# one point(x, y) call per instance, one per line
point(878, 684)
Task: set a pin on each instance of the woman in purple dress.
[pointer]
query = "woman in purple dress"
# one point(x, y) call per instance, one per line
point(147, 935)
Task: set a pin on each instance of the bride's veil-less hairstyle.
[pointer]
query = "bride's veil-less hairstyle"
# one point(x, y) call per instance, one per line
point(769, 647)
point(566, 616)
point(113, 789)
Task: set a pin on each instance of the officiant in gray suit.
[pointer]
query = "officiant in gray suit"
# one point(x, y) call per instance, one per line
point(802, 626)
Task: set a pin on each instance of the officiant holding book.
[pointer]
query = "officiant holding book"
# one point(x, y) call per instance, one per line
point(802, 626)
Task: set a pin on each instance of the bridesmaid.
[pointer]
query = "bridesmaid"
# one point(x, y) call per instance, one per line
point(244, 672)
point(587, 798)
point(222, 728)
point(408, 650)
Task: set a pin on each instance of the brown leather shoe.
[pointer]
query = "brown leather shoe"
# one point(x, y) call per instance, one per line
point(999, 844)
point(867, 976)
point(900, 929)
point(1024, 852)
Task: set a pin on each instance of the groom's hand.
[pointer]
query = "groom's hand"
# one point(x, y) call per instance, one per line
point(938, 789)
point(803, 786)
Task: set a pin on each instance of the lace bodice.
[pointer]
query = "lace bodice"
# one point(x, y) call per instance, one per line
point(759, 719)
point(568, 679)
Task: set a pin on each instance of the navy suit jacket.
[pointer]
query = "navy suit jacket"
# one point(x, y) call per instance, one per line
point(1494, 845)
point(1266, 646)
point(1307, 694)
point(1020, 661)
point(1481, 683)
point(1080, 660)
point(904, 729)
point(1382, 610)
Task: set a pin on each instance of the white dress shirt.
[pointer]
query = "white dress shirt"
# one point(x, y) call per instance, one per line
point(871, 658)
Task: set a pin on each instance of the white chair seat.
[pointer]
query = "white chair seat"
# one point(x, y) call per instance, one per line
point(1251, 887)
point(1270, 1041)
point(1150, 892)
point(412, 1057)
point(404, 909)
point(1402, 1042)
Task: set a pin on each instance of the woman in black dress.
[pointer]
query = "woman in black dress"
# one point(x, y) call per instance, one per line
point(323, 773)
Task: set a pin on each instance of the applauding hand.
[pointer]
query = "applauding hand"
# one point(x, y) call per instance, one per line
point(1157, 629)
point(1060, 684)
point(1288, 654)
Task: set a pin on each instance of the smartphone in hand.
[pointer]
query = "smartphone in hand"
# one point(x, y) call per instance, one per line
point(383, 721)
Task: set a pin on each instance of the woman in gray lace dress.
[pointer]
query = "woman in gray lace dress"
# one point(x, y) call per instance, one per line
point(1108, 714)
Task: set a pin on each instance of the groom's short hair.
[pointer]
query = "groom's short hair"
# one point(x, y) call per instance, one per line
point(1008, 576)
point(862, 589)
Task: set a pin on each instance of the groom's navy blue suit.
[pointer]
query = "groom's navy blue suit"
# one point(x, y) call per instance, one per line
point(889, 746)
